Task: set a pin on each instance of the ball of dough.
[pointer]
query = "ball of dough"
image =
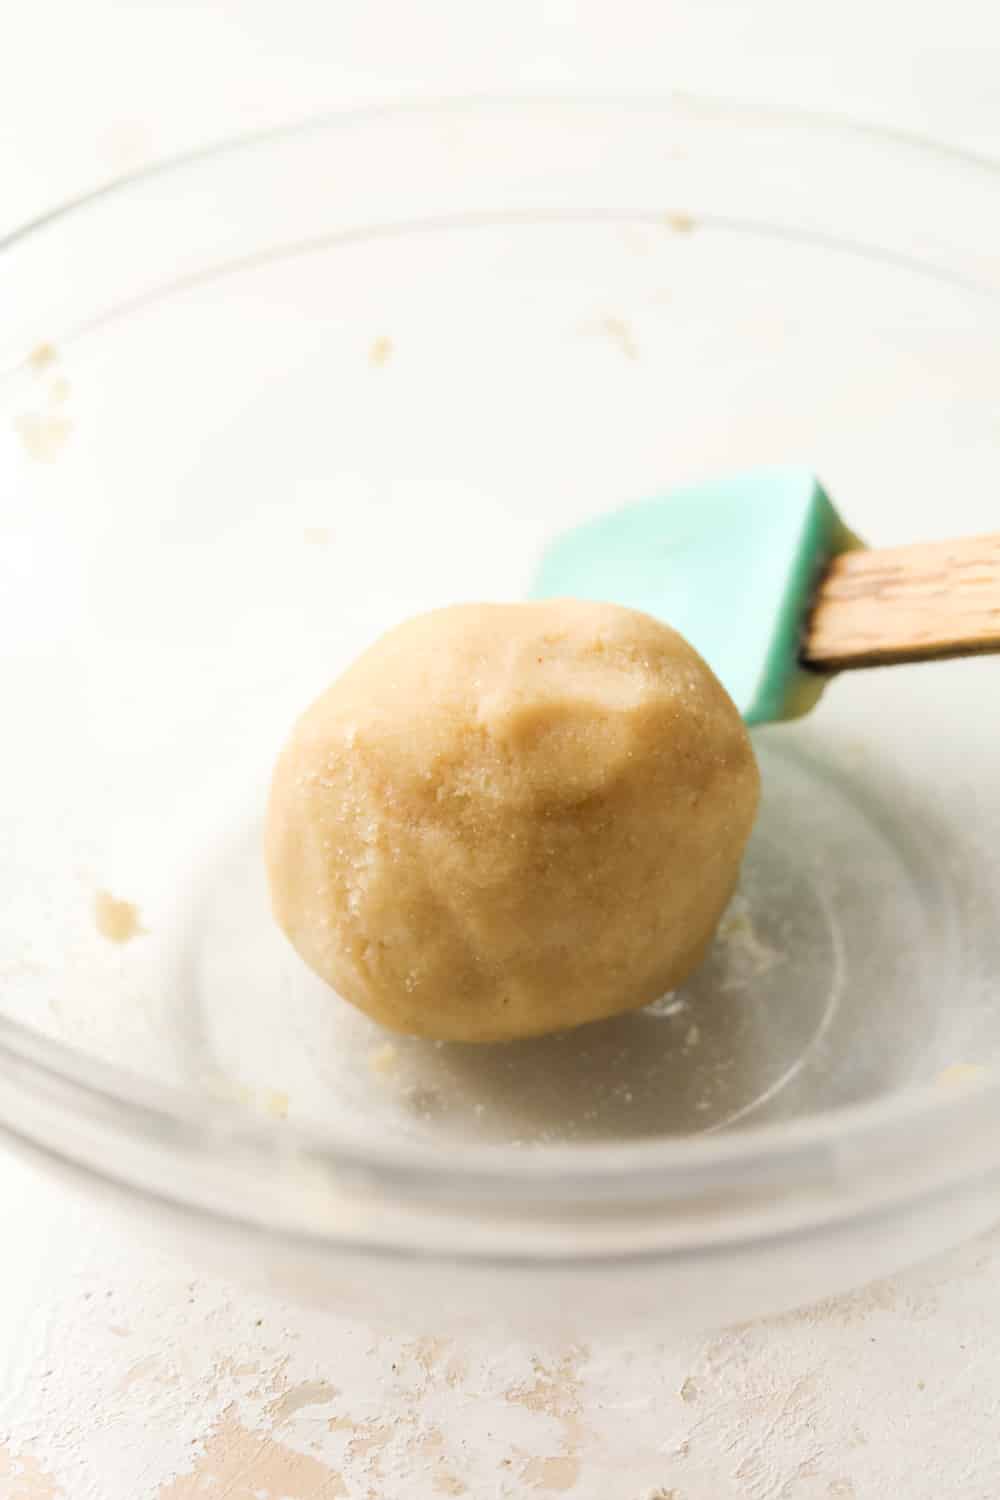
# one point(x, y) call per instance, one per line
point(508, 819)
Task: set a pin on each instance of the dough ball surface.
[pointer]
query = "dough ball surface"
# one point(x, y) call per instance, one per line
point(509, 819)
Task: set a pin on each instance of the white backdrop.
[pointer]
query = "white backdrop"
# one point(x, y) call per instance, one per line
point(125, 1376)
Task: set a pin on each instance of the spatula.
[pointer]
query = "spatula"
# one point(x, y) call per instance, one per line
point(763, 577)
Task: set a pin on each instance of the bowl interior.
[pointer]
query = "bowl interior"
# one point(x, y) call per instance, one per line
point(231, 463)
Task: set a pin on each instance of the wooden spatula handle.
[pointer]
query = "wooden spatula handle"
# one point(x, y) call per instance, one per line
point(900, 604)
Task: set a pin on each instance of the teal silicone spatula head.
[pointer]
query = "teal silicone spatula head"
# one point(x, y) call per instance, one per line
point(731, 564)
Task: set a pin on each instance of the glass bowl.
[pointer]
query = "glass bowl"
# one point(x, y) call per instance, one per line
point(259, 404)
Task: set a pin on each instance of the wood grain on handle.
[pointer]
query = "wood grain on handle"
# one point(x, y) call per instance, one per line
point(900, 604)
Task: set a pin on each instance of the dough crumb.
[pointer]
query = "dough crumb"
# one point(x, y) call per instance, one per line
point(42, 357)
point(271, 1102)
point(118, 921)
point(750, 957)
point(42, 435)
point(380, 352)
point(275, 1102)
point(619, 332)
point(383, 1059)
point(959, 1075)
point(681, 223)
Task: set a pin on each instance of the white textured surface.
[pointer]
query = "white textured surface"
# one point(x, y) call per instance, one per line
point(127, 1376)
point(130, 1377)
